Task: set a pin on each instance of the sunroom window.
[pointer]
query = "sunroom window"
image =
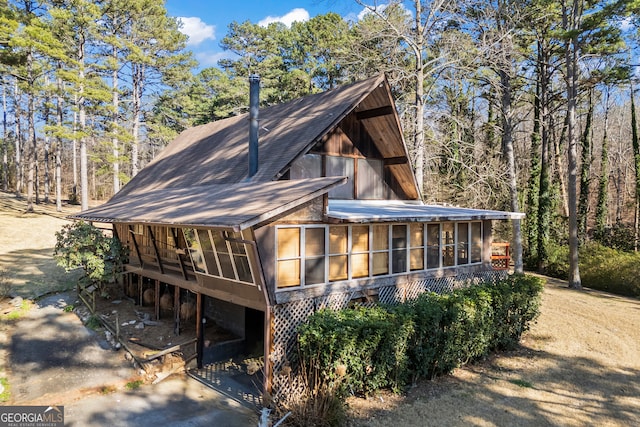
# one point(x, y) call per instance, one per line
point(317, 254)
point(219, 254)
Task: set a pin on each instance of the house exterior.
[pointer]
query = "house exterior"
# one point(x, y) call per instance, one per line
point(325, 213)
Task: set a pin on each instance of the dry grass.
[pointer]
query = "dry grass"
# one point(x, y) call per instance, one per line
point(26, 247)
point(579, 365)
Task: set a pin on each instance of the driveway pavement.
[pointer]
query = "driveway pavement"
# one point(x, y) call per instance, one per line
point(55, 360)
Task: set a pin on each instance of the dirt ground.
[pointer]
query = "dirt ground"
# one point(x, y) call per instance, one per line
point(579, 365)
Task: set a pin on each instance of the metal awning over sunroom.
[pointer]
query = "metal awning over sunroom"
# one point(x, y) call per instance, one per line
point(365, 211)
point(229, 206)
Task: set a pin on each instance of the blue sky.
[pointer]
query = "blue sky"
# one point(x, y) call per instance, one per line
point(206, 21)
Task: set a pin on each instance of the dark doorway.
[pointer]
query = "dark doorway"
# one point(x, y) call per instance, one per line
point(254, 332)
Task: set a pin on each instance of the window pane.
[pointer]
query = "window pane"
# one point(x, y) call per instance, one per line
point(433, 245)
point(288, 273)
point(371, 179)
point(224, 257)
point(338, 240)
point(433, 235)
point(417, 259)
point(380, 263)
point(237, 247)
point(399, 260)
point(447, 233)
point(360, 238)
point(476, 242)
point(243, 269)
point(207, 250)
point(380, 237)
point(448, 256)
point(314, 242)
point(341, 166)
point(309, 166)
point(433, 257)
point(313, 271)
point(463, 243)
point(416, 235)
point(194, 250)
point(337, 267)
point(226, 266)
point(288, 242)
point(360, 265)
point(399, 236)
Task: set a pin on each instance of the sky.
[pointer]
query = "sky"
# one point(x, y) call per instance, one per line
point(206, 21)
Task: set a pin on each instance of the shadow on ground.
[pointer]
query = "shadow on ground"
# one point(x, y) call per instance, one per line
point(52, 355)
point(34, 272)
point(572, 391)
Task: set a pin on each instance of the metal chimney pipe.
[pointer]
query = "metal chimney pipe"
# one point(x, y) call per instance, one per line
point(254, 101)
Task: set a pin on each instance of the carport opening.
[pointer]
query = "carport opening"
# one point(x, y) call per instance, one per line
point(245, 326)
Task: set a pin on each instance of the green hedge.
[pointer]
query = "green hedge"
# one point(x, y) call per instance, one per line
point(610, 270)
point(385, 347)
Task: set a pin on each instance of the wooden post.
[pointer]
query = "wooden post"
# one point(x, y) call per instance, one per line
point(200, 321)
point(176, 309)
point(179, 253)
point(267, 350)
point(140, 290)
point(157, 299)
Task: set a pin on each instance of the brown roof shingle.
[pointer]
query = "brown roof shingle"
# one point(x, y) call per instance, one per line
point(234, 206)
point(216, 153)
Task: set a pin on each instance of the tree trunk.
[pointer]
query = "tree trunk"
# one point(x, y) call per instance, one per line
point(114, 123)
point(47, 145)
point(31, 135)
point(136, 89)
point(19, 142)
point(603, 185)
point(570, 21)
point(507, 145)
point(74, 189)
point(545, 207)
point(82, 117)
point(585, 172)
point(59, 121)
point(533, 185)
point(5, 162)
point(636, 157)
point(419, 130)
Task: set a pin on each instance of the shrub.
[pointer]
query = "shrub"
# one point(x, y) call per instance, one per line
point(515, 303)
point(557, 261)
point(386, 346)
point(317, 400)
point(610, 270)
point(617, 236)
point(370, 342)
point(81, 245)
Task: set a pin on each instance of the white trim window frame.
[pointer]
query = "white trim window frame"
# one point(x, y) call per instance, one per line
point(379, 246)
point(213, 259)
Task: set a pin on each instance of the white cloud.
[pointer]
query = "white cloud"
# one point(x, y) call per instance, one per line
point(197, 30)
point(379, 8)
point(210, 58)
point(295, 15)
point(626, 24)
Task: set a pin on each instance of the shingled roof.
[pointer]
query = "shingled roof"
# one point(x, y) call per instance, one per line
point(216, 153)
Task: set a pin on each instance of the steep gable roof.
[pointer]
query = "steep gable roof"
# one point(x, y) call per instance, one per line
point(216, 153)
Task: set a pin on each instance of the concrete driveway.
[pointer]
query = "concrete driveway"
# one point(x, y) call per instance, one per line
point(55, 360)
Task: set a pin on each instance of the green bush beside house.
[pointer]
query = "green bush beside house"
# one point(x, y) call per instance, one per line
point(388, 346)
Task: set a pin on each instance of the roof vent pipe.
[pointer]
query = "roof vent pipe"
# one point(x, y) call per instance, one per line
point(254, 101)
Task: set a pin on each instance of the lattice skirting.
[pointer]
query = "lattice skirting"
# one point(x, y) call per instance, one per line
point(287, 317)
